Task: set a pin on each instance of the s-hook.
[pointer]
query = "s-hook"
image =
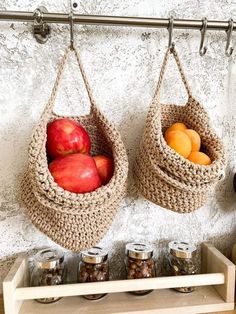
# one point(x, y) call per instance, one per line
point(202, 48)
point(229, 50)
point(41, 30)
point(71, 17)
point(170, 29)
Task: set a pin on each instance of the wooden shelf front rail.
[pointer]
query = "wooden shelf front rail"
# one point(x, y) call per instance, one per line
point(119, 286)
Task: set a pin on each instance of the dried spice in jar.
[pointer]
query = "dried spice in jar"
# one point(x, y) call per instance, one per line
point(49, 270)
point(182, 261)
point(92, 268)
point(139, 263)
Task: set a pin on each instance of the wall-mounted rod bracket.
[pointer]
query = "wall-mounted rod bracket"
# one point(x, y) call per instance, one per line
point(41, 30)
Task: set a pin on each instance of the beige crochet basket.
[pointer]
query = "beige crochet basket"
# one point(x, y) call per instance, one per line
point(165, 177)
point(74, 221)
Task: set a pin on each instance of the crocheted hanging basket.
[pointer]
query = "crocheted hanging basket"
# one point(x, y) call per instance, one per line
point(165, 177)
point(74, 221)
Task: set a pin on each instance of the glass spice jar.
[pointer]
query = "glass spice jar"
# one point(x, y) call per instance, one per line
point(182, 261)
point(93, 267)
point(139, 263)
point(49, 270)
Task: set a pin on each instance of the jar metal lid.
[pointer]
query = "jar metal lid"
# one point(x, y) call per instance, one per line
point(182, 249)
point(139, 250)
point(49, 258)
point(94, 255)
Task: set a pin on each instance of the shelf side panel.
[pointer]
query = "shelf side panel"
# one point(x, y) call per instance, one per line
point(17, 277)
point(214, 261)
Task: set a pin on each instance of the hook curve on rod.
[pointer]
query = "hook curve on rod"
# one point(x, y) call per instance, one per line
point(170, 30)
point(229, 49)
point(202, 48)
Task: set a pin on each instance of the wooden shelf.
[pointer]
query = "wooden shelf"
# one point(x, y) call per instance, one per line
point(203, 300)
point(215, 292)
point(145, 300)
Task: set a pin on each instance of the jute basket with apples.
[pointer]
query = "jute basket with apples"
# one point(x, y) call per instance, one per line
point(77, 173)
point(163, 175)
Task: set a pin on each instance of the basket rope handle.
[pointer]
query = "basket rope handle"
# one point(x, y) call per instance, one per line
point(171, 51)
point(50, 105)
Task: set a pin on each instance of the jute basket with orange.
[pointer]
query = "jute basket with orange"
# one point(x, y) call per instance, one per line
point(170, 170)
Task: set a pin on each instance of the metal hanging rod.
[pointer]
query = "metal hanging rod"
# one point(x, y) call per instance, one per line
point(64, 18)
point(41, 17)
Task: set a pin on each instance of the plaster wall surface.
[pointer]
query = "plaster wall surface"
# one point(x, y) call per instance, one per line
point(122, 65)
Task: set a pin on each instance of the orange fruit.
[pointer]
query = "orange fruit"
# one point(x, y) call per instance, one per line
point(194, 138)
point(179, 141)
point(199, 158)
point(178, 126)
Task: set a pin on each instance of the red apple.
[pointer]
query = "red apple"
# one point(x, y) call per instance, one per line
point(64, 137)
point(105, 166)
point(75, 173)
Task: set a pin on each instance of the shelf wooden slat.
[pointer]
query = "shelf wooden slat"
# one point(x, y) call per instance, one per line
point(69, 301)
point(203, 300)
point(119, 286)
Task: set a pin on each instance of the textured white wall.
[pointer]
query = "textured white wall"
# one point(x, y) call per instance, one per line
point(122, 65)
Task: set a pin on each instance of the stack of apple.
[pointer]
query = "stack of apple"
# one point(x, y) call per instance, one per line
point(70, 163)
